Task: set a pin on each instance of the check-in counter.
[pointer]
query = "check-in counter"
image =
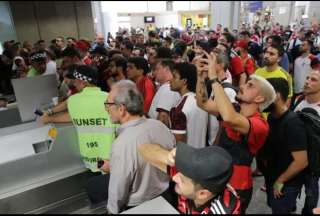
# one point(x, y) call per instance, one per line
point(10, 117)
point(38, 170)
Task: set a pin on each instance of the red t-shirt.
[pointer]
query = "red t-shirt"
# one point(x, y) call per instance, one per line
point(226, 203)
point(248, 63)
point(241, 178)
point(147, 89)
point(236, 67)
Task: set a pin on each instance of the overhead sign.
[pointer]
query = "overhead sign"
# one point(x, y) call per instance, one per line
point(255, 5)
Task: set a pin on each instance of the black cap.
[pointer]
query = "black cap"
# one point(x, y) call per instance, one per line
point(86, 73)
point(211, 166)
point(38, 56)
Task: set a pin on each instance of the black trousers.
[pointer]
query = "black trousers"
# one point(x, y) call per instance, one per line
point(97, 188)
point(245, 198)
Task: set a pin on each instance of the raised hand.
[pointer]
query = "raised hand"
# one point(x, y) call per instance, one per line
point(212, 62)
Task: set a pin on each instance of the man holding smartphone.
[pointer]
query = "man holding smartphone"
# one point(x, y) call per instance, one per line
point(244, 131)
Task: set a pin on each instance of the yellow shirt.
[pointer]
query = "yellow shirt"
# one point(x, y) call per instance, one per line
point(278, 73)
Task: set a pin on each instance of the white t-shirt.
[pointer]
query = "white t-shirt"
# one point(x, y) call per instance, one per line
point(304, 104)
point(197, 122)
point(164, 99)
point(301, 70)
point(51, 69)
point(213, 126)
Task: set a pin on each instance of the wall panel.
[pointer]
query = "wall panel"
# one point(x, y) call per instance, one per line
point(49, 19)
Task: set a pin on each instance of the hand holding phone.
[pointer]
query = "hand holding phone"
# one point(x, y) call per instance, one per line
point(104, 165)
point(100, 163)
point(38, 112)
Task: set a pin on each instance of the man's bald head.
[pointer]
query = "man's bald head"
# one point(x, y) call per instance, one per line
point(100, 38)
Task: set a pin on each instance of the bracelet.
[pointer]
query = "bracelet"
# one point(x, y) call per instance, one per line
point(278, 186)
point(212, 81)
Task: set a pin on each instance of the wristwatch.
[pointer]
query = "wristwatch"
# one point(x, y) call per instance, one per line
point(214, 80)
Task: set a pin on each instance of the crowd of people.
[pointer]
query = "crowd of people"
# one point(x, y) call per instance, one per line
point(183, 113)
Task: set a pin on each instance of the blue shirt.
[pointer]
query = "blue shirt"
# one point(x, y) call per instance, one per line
point(284, 62)
point(94, 45)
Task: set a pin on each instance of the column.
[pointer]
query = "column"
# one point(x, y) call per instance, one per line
point(226, 13)
point(8, 31)
point(235, 15)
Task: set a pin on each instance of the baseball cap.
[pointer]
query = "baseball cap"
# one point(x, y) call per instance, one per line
point(83, 45)
point(38, 56)
point(211, 166)
point(86, 73)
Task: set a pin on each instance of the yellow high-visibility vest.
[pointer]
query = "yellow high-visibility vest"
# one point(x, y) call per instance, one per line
point(96, 132)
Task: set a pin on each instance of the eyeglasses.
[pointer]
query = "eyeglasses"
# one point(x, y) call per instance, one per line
point(108, 104)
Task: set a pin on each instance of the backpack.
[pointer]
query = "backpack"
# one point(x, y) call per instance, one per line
point(296, 101)
point(311, 121)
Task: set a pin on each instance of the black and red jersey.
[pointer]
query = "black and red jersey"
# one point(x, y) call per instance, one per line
point(228, 202)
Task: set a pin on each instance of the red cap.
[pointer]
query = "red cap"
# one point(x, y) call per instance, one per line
point(82, 45)
point(242, 43)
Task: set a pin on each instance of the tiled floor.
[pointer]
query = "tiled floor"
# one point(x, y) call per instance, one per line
point(258, 203)
point(257, 206)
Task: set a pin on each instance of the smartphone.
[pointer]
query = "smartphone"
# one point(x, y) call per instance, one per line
point(38, 112)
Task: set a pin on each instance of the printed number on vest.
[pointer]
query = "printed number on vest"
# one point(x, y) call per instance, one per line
point(92, 145)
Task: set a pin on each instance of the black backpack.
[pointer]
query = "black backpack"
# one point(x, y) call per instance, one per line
point(311, 121)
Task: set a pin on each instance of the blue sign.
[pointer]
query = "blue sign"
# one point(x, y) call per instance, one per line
point(255, 5)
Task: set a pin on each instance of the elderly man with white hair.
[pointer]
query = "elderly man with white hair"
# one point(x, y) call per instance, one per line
point(244, 130)
point(133, 180)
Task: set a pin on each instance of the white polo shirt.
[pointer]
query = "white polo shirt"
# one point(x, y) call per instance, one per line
point(197, 121)
point(164, 99)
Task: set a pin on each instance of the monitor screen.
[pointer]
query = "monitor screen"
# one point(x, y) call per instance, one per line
point(33, 92)
point(149, 19)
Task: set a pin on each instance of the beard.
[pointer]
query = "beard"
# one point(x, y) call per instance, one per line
point(242, 101)
point(267, 62)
